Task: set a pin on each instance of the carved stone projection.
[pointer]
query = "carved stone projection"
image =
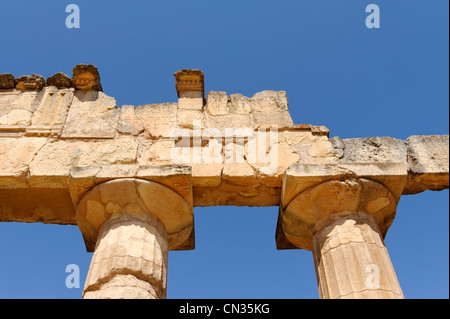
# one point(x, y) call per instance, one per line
point(86, 77)
point(130, 177)
point(33, 82)
point(60, 80)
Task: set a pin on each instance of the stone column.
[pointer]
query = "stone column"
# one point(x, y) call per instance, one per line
point(130, 259)
point(132, 224)
point(351, 259)
point(343, 221)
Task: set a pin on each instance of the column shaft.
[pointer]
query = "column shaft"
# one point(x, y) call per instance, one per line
point(130, 259)
point(351, 259)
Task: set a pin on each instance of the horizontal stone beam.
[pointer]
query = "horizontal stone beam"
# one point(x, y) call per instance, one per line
point(426, 157)
point(238, 148)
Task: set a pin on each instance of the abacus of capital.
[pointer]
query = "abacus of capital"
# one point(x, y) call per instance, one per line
point(70, 155)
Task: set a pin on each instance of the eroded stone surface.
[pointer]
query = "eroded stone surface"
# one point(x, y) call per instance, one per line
point(65, 154)
point(312, 192)
point(189, 80)
point(428, 159)
point(86, 77)
point(130, 259)
point(60, 80)
point(351, 259)
point(33, 82)
point(6, 81)
point(16, 156)
point(58, 144)
point(92, 114)
point(139, 199)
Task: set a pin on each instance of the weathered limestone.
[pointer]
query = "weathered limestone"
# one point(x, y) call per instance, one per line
point(86, 77)
point(168, 183)
point(342, 213)
point(158, 120)
point(6, 81)
point(63, 142)
point(33, 82)
point(190, 89)
point(51, 114)
point(129, 123)
point(92, 114)
point(60, 80)
point(130, 260)
point(428, 160)
point(189, 80)
point(16, 157)
point(351, 259)
point(134, 223)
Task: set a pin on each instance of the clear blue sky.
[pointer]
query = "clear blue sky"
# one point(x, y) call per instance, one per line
point(359, 82)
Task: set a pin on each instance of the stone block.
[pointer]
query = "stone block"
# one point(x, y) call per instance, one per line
point(92, 114)
point(428, 159)
point(217, 103)
point(16, 156)
point(159, 120)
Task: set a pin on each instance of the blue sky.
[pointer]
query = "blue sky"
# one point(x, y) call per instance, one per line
point(359, 82)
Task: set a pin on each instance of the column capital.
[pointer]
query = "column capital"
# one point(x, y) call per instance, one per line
point(310, 193)
point(189, 80)
point(165, 193)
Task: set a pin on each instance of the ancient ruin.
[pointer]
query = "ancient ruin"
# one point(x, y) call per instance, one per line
point(130, 178)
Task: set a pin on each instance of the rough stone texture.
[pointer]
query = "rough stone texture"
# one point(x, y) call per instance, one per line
point(159, 120)
point(428, 159)
point(297, 220)
point(129, 123)
point(190, 100)
point(351, 259)
point(11, 101)
point(51, 112)
point(6, 81)
point(65, 154)
point(187, 118)
point(130, 259)
point(91, 115)
point(16, 117)
point(239, 104)
point(60, 80)
point(134, 196)
point(33, 82)
point(189, 80)
point(158, 152)
point(217, 103)
point(373, 150)
point(86, 77)
point(176, 177)
point(58, 144)
point(301, 177)
point(16, 156)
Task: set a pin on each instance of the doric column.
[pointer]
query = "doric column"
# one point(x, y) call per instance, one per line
point(132, 223)
point(130, 259)
point(343, 216)
point(351, 259)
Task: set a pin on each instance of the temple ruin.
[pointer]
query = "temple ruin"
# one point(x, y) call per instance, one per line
point(130, 178)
